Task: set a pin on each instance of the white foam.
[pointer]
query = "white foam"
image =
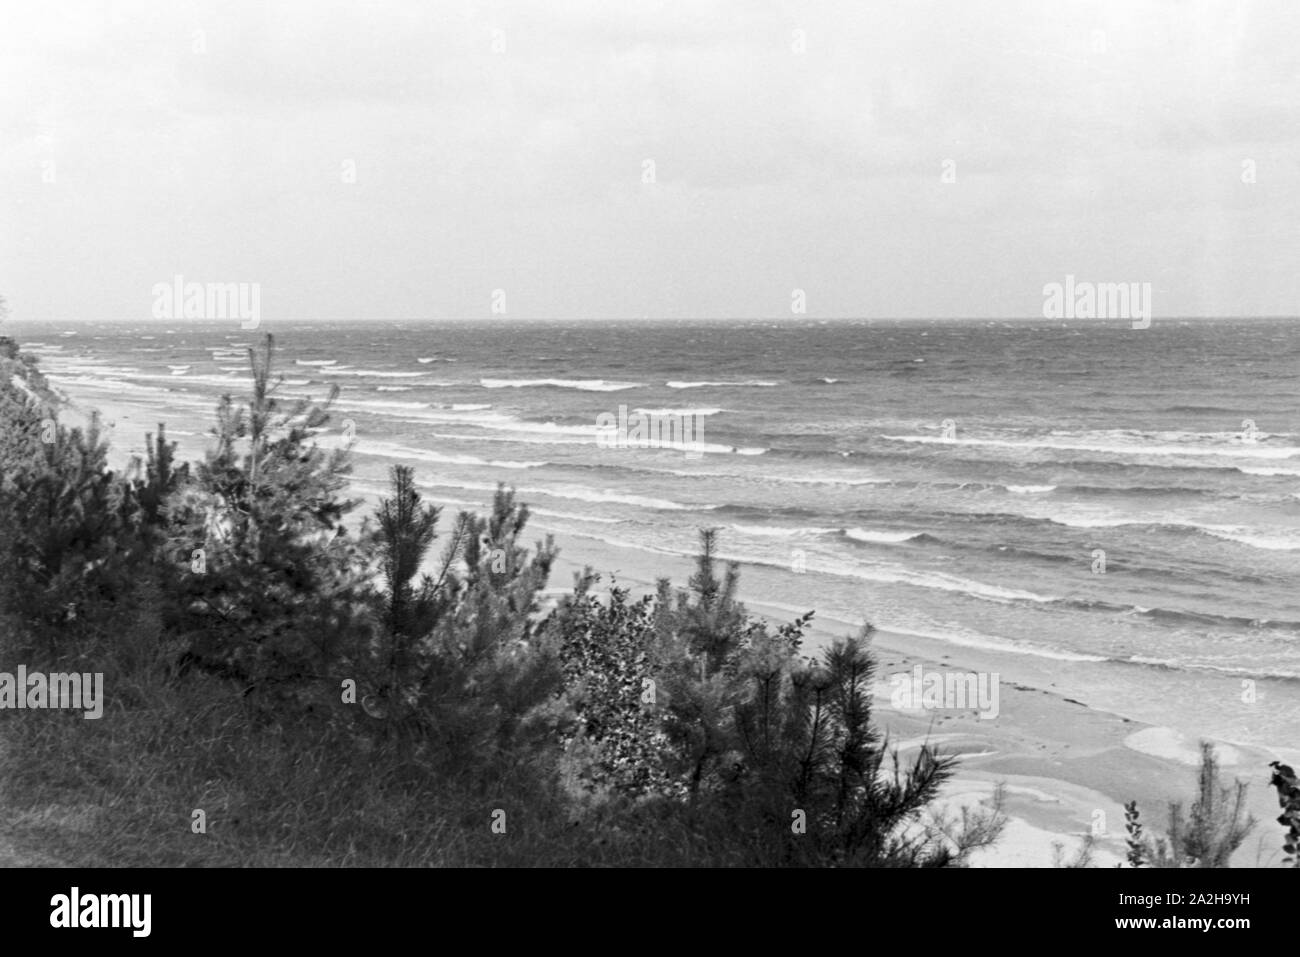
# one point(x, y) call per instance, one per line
point(826, 480)
point(767, 530)
point(1174, 746)
point(1243, 450)
point(378, 404)
point(439, 458)
point(1097, 522)
point(879, 538)
point(677, 384)
point(1248, 470)
point(585, 385)
point(678, 411)
point(580, 494)
point(574, 518)
point(989, 643)
point(369, 373)
point(1030, 489)
point(210, 379)
point(1255, 539)
point(898, 575)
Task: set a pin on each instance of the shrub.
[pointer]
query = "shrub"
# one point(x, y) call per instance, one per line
point(1288, 798)
point(765, 757)
point(269, 588)
point(1207, 836)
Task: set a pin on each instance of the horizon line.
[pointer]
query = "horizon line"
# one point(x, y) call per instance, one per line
point(793, 320)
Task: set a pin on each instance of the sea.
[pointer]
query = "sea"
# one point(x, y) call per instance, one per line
point(1110, 510)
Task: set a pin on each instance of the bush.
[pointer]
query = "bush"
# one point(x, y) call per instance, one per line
point(700, 714)
point(1207, 836)
point(269, 589)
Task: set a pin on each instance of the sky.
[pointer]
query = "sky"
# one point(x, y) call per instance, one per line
point(636, 159)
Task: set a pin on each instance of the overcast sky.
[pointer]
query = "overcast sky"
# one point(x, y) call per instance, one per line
point(504, 146)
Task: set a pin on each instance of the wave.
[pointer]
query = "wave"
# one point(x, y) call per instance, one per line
point(316, 362)
point(668, 445)
point(117, 385)
point(579, 494)
point(393, 388)
point(1169, 664)
point(377, 404)
point(1241, 535)
point(223, 380)
point(880, 538)
point(1244, 450)
point(438, 458)
point(1202, 620)
point(584, 385)
point(510, 439)
point(557, 434)
point(615, 498)
point(550, 513)
point(1102, 491)
point(989, 643)
point(826, 479)
point(1288, 540)
point(769, 531)
point(92, 368)
point(757, 383)
point(939, 581)
point(1248, 470)
point(1201, 410)
point(682, 412)
point(369, 373)
point(1254, 539)
point(1030, 489)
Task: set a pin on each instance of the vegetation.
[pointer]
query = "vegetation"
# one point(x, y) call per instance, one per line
point(283, 688)
point(1206, 836)
point(1288, 797)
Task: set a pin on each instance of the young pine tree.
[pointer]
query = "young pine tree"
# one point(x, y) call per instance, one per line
point(459, 675)
point(270, 588)
point(1205, 836)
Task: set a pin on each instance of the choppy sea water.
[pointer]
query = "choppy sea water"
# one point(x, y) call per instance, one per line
point(956, 480)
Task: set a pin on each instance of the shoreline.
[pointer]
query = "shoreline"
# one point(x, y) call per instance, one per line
point(1068, 766)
